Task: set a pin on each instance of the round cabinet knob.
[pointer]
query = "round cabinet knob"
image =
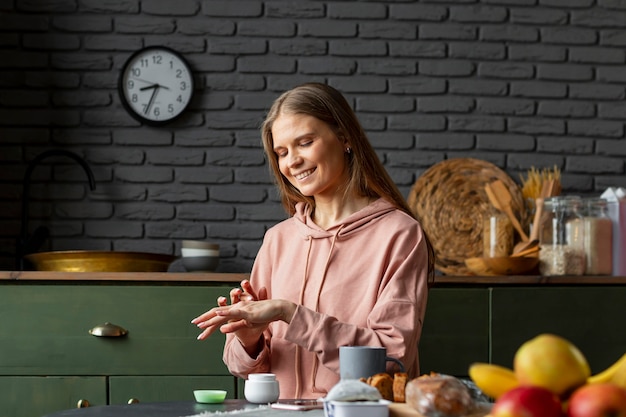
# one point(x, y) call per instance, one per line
point(82, 404)
point(133, 401)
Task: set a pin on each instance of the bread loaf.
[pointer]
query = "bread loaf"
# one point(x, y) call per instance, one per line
point(400, 379)
point(439, 395)
point(383, 382)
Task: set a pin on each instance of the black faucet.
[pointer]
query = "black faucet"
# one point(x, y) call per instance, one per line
point(26, 244)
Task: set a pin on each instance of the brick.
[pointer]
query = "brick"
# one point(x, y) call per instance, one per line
point(543, 53)
point(178, 195)
point(239, 46)
point(232, 8)
point(385, 104)
point(422, 12)
point(505, 70)
point(174, 157)
point(95, 24)
point(47, 6)
point(326, 65)
point(443, 141)
point(203, 138)
point(365, 11)
point(115, 156)
point(417, 49)
point(240, 194)
point(536, 126)
point(448, 68)
point(80, 210)
point(391, 140)
point(387, 67)
point(483, 51)
point(191, 211)
point(204, 175)
point(130, 137)
point(561, 73)
point(114, 229)
point(144, 175)
point(596, 128)
point(479, 87)
point(206, 26)
point(594, 165)
point(569, 36)
point(266, 212)
point(305, 47)
point(248, 231)
point(81, 99)
point(508, 143)
point(109, 6)
point(505, 106)
point(237, 82)
point(358, 84)
point(447, 31)
point(115, 193)
point(175, 230)
point(612, 110)
point(597, 55)
point(234, 120)
point(475, 124)
point(613, 38)
point(170, 8)
point(135, 24)
point(24, 22)
point(65, 61)
point(383, 30)
point(357, 48)
point(294, 9)
point(569, 145)
point(567, 109)
point(416, 123)
point(478, 14)
point(539, 16)
point(255, 64)
point(538, 89)
point(327, 29)
point(254, 175)
point(598, 18)
point(448, 104)
point(86, 137)
point(596, 91)
point(264, 29)
point(610, 147)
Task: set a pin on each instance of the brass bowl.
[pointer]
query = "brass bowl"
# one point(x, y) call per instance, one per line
point(100, 261)
point(506, 265)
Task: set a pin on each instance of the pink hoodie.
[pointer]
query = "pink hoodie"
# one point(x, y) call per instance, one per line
point(361, 282)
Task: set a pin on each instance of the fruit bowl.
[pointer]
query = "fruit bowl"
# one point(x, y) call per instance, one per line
point(505, 265)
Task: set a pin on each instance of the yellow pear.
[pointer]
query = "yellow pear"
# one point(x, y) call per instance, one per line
point(551, 362)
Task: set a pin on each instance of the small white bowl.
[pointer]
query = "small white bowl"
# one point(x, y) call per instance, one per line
point(200, 263)
point(199, 244)
point(199, 252)
point(378, 408)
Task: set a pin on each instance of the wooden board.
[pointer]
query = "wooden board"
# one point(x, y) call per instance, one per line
point(405, 410)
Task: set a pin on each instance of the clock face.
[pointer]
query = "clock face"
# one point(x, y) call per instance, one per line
point(156, 85)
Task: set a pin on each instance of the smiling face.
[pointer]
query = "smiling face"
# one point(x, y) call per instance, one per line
point(310, 155)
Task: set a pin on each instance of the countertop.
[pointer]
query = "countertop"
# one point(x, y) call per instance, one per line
point(208, 277)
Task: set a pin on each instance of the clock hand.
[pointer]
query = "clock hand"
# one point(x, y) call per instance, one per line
point(149, 87)
point(154, 92)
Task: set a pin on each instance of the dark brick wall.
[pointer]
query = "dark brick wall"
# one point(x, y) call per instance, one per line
point(520, 83)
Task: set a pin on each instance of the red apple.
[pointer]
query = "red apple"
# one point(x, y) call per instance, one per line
point(527, 401)
point(598, 400)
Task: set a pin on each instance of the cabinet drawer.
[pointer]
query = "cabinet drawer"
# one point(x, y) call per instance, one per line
point(590, 317)
point(37, 396)
point(456, 330)
point(44, 330)
point(165, 388)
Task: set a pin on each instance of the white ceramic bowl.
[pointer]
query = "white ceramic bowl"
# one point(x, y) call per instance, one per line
point(378, 408)
point(199, 244)
point(199, 252)
point(200, 263)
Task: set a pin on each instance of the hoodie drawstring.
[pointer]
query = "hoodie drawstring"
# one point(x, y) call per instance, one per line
point(317, 303)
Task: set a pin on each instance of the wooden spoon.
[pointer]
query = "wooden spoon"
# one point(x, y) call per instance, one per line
point(501, 198)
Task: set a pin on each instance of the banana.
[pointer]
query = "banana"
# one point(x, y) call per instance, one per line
point(493, 380)
point(611, 373)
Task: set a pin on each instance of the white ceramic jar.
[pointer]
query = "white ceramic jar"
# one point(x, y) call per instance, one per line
point(261, 388)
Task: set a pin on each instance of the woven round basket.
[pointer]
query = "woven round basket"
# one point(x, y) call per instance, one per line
point(450, 200)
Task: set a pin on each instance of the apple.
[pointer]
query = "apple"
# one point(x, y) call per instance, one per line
point(527, 401)
point(598, 400)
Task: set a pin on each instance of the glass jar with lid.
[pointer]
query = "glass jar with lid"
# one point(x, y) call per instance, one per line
point(561, 237)
point(497, 235)
point(598, 237)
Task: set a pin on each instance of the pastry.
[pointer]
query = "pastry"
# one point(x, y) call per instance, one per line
point(437, 395)
point(400, 380)
point(383, 382)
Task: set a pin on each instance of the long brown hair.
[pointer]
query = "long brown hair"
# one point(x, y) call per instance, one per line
point(367, 175)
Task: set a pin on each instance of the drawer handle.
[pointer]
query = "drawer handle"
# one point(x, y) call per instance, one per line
point(108, 330)
point(82, 404)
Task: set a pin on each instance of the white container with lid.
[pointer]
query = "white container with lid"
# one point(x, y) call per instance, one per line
point(261, 388)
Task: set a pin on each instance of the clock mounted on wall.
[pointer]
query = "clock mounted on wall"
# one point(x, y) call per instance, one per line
point(156, 85)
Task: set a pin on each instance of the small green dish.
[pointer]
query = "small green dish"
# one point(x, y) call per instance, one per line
point(209, 396)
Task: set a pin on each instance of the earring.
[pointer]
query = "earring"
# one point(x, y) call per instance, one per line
point(348, 150)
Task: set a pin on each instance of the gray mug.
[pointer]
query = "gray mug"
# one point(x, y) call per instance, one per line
point(364, 361)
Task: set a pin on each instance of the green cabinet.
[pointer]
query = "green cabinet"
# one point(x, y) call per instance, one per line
point(50, 361)
point(592, 317)
point(456, 330)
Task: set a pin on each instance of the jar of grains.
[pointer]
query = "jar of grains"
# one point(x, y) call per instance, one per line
point(497, 235)
point(598, 237)
point(561, 237)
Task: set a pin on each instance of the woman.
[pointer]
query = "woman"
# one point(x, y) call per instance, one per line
point(350, 267)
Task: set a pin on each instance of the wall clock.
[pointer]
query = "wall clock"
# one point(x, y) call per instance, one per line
point(156, 85)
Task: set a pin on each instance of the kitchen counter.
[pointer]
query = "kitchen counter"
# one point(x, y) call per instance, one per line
point(208, 277)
